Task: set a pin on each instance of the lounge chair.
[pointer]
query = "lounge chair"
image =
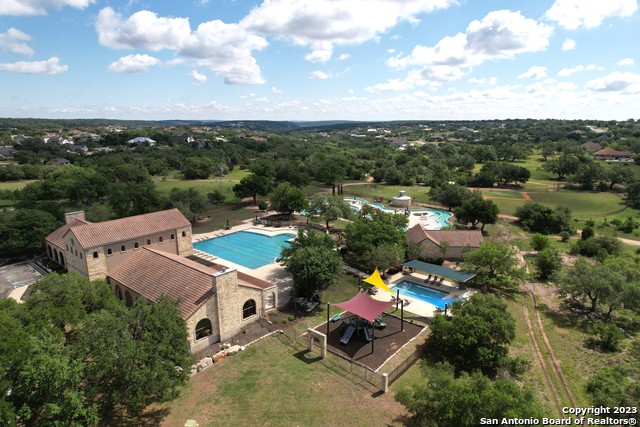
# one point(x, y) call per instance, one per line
point(428, 279)
point(335, 318)
point(435, 279)
point(441, 281)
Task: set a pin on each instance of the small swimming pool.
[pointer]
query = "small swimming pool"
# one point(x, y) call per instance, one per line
point(423, 293)
point(251, 250)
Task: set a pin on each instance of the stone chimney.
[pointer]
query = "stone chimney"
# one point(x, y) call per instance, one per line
point(229, 301)
point(70, 216)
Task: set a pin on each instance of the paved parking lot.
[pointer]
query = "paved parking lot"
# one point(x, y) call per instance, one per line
point(16, 278)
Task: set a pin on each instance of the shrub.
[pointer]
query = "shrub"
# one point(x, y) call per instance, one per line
point(539, 242)
point(608, 336)
point(565, 236)
point(262, 205)
point(587, 232)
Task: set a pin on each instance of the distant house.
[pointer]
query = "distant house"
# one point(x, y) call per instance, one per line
point(58, 161)
point(613, 155)
point(142, 140)
point(432, 242)
point(78, 148)
point(6, 153)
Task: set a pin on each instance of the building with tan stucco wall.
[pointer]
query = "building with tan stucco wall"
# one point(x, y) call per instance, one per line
point(144, 256)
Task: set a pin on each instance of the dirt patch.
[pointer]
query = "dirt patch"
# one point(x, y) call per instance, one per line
point(249, 333)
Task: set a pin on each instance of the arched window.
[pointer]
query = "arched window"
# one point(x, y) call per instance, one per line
point(148, 242)
point(173, 237)
point(184, 234)
point(248, 309)
point(160, 239)
point(95, 254)
point(203, 328)
point(49, 251)
point(127, 298)
point(270, 301)
point(136, 245)
point(109, 252)
point(123, 248)
point(80, 255)
point(118, 292)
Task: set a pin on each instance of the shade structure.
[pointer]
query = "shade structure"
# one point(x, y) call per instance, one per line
point(438, 270)
point(364, 306)
point(377, 281)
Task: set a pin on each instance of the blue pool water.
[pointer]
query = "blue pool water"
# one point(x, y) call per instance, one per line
point(442, 216)
point(251, 250)
point(423, 293)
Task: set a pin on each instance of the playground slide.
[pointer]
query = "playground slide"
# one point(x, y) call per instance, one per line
point(367, 332)
point(348, 334)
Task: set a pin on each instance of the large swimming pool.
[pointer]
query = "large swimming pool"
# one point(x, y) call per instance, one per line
point(251, 250)
point(423, 293)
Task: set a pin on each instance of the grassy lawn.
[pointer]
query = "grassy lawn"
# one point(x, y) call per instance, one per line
point(583, 205)
point(496, 193)
point(273, 383)
point(369, 191)
point(15, 185)
point(220, 217)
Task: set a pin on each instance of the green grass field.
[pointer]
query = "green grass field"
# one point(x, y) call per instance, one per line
point(496, 193)
point(15, 185)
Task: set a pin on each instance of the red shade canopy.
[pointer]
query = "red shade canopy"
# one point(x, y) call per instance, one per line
point(364, 306)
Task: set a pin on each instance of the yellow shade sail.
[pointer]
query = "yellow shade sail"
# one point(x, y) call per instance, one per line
point(376, 281)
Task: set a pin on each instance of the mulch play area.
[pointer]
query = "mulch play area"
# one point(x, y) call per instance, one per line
point(387, 340)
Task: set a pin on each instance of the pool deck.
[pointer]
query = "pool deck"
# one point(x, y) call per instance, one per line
point(273, 273)
point(415, 305)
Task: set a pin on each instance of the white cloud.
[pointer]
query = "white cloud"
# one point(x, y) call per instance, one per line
point(50, 66)
point(142, 30)
point(500, 34)
point(344, 56)
point(323, 24)
point(320, 75)
point(392, 85)
point(198, 78)
point(262, 99)
point(534, 73)
point(133, 64)
point(38, 7)
point(573, 14)
point(568, 44)
point(627, 83)
point(566, 72)
point(275, 90)
point(391, 51)
point(225, 49)
point(626, 61)
point(14, 41)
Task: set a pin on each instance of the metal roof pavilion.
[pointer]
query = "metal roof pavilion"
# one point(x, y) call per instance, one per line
point(438, 270)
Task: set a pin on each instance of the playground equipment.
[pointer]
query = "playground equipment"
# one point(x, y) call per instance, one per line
point(348, 333)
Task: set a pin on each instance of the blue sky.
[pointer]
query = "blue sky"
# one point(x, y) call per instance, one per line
point(320, 59)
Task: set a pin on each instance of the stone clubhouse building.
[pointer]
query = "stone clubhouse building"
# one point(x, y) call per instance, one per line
point(145, 256)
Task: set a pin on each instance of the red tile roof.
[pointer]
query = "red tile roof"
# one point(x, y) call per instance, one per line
point(611, 152)
point(152, 273)
point(455, 238)
point(56, 237)
point(118, 230)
